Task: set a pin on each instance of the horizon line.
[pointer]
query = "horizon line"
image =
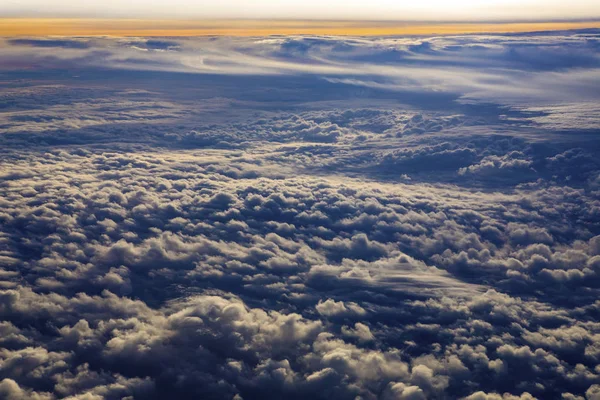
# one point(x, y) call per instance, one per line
point(123, 27)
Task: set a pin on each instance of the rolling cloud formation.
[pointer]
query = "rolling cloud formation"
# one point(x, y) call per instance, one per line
point(324, 217)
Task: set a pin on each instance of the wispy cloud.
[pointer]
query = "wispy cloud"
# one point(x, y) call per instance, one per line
point(518, 71)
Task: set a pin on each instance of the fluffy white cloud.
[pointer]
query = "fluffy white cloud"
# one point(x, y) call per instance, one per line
point(283, 235)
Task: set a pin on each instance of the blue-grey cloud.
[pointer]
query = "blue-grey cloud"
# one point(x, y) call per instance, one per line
point(306, 217)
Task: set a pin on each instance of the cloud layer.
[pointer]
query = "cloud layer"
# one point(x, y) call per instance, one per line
point(300, 217)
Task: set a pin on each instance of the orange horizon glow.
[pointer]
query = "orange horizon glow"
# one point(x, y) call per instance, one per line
point(11, 27)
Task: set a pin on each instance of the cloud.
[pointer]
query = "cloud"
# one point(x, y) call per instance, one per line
point(257, 231)
point(333, 308)
point(59, 43)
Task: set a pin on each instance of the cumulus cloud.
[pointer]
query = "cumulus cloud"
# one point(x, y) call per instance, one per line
point(299, 217)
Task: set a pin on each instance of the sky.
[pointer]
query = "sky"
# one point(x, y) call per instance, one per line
point(426, 10)
point(150, 28)
point(194, 206)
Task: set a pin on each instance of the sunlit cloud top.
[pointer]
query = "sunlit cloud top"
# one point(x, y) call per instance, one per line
point(424, 10)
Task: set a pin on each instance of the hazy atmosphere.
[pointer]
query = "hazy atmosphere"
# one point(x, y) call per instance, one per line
point(229, 214)
point(429, 10)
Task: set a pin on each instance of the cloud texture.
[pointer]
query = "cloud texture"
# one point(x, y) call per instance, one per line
point(300, 217)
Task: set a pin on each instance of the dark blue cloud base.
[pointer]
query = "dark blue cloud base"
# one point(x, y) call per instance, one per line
point(300, 217)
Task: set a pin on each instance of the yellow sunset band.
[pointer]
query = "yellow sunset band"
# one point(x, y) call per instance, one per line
point(138, 27)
